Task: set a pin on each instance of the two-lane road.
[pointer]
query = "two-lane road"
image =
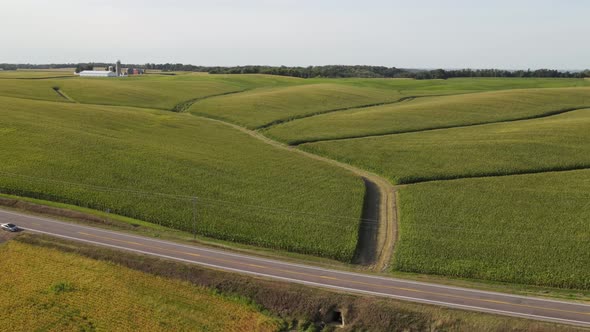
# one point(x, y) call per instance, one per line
point(454, 297)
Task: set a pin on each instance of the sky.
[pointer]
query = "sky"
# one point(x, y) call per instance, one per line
point(516, 34)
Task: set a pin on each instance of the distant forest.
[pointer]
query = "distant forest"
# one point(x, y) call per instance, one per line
point(333, 71)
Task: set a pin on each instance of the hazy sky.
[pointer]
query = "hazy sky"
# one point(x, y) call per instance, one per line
point(412, 33)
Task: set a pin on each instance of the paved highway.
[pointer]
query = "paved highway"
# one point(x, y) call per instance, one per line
point(454, 297)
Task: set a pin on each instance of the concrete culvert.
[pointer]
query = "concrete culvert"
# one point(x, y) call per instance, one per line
point(336, 318)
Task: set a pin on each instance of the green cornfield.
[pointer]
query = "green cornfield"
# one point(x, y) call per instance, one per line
point(527, 229)
point(147, 164)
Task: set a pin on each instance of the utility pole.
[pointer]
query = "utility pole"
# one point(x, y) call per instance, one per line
point(195, 217)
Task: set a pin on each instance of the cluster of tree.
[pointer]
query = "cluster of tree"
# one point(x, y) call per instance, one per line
point(385, 72)
point(333, 71)
point(174, 67)
point(7, 66)
point(84, 66)
point(444, 74)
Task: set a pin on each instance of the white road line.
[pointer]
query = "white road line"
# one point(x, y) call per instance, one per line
point(310, 283)
point(230, 254)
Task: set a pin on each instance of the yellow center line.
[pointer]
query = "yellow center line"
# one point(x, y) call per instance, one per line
point(142, 245)
point(334, 278)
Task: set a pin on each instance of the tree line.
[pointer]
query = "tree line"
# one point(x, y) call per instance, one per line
point(331, 71)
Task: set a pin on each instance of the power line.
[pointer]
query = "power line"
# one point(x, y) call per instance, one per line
point(365, 223)
point(188, 198)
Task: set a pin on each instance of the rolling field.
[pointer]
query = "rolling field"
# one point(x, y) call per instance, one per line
point(552, 143)
point(34, 74)
point(530, 229)
point(56, 291)
point(156, 92)
point(432, 113)
point(248, 191)
point(460, 85)
point(264, 106)
point(161, 92)
point(253, 193)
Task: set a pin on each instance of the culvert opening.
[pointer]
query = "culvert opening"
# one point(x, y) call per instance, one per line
point(336, 318)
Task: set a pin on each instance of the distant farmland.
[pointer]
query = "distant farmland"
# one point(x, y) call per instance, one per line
point(433, 113)
point(164, 139)
point(558, 142)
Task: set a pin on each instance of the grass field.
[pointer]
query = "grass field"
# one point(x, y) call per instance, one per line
point(431, 113)
point(56, 291)
point(248, 191)
point(552, 143)
point(530, 229)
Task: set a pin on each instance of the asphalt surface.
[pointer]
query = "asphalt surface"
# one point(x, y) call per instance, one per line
point(454, 297)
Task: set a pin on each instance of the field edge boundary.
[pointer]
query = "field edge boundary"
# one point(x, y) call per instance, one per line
point(388, 223)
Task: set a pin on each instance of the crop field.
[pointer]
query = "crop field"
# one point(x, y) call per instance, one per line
point(264, 106)
point(28, 74)
point(248, 191)
point(114, 145)
point(431, 113)
point(553, 143)
point(460, 85)
point(157, 92)
point(530, 229)
point(56, 291)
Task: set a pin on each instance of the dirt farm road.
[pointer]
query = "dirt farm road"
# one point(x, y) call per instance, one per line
point(375, 246)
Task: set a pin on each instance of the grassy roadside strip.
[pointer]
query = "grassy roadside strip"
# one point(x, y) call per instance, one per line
point(142, 228)
point(304, 307)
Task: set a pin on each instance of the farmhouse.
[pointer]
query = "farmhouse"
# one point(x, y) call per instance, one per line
point(111, 71)
point(97, 73)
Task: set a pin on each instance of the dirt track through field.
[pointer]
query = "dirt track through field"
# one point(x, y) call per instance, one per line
point(532, 117)
point(375, 245)
point(350, 108)
point(184, 106)
point(63, 95)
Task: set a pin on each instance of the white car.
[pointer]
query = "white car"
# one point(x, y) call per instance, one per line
point(10, 227)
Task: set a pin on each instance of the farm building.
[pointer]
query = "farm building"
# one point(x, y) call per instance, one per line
point(134, 71)
point(97, 73)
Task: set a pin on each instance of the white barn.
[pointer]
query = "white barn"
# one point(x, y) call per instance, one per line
point(97, 73)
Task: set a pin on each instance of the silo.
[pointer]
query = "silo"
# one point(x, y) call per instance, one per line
point(118, 67)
